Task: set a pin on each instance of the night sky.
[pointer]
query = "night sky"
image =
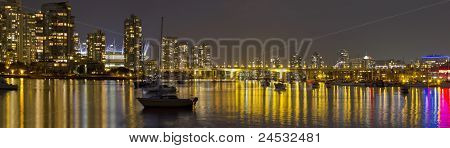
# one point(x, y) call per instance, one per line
point(406, 36)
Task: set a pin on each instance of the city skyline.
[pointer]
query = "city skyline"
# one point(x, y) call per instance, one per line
point(55, 21)
point(369, 39)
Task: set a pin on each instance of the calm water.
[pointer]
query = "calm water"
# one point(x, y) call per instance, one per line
point(86, 103)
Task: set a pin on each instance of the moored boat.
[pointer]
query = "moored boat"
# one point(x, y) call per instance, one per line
point(280, 87)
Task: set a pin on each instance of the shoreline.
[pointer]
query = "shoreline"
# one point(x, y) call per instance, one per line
point(103, 77)
point(68, 77)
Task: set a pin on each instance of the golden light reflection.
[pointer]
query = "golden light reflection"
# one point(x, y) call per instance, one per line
point(85, 103)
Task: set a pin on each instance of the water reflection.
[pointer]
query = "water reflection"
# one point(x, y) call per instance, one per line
point(69, 103)
point(85, 103)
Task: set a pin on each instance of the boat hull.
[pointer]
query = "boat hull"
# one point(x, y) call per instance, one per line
point(167, 103)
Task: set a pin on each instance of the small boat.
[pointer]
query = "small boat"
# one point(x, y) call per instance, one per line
point(5, 86)
point(167, 101)
point(280, 87)
point(265, 84)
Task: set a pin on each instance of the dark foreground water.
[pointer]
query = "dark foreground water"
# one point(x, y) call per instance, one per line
point(86, 103)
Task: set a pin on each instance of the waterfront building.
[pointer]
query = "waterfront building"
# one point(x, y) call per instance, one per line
point(431, 61)
point(167, 53)
point(276, 62)
point(29, 52)
point(11, 31)
point(2, 35)
point(201, 57)
point(444, 71)
point(390, 64)
point(343, 59)
point(296, 61)
point(151, 68)
point(317, 61)
point(77, 43)
point(58, 32)
point(257, 63)
point(356, 63)
point(114, 60)
point(180, 56)
point(96, 46)
point(132, 42)
point(40, 36)
point(174, 56)
point(368, 62)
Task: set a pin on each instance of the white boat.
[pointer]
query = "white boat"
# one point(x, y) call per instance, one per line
point(5, 86)
point(167, 101)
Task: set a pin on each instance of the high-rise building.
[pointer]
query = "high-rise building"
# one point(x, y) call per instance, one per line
point(257, 63)
point(29, 52)
point(96, 46)
point(168, 53)
point(2, 37)
point(132, 42)
point(11, 31)
point(181, 56)
point(296, 61)
point(58, 31)
point(317, 61)
point(276, 62)
point(174, 54)
point(343, 59)
point(40, 36)
point(77, 45)
point(201, 57)
point(368, 62)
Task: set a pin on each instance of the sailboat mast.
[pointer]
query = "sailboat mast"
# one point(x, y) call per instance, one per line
point(161, 43)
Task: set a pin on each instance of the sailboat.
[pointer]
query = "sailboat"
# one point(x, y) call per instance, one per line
point(164, 96)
